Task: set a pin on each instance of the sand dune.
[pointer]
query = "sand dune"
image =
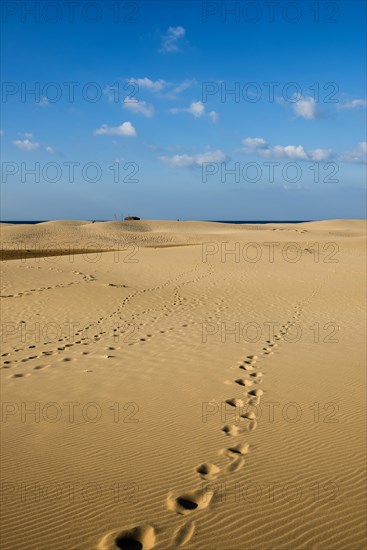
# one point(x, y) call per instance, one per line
point(193, 384)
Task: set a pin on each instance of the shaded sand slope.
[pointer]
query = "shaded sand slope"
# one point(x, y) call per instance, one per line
point(179, 435)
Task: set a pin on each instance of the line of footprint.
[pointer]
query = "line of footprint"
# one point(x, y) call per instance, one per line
point(143, 537)
point(64, 343)
point(85, 279)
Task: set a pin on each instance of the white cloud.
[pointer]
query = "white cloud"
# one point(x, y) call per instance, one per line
point(353, 104)
point(295, 152)
point(214, 116)
point(28, 135)
point(254, 143)
point(261, 147)
point(148, 84)
point(125, 129)
point(357, 155)
point(26, 145)
point(197, 109)
point(141, 107)
point(50, 150)
point(319, 155)
point(184, 161)
point(305, 107)
point(170, 40)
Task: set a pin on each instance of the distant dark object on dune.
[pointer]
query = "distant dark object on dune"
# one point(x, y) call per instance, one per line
point(129, 218)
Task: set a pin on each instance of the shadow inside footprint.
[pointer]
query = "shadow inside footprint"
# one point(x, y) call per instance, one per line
point(186, 503)
point(128, 544)
point(138, 538)
point(240, 449)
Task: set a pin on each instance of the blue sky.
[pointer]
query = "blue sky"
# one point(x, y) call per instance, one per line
point(132, 111)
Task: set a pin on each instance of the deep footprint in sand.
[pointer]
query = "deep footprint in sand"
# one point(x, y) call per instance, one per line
point(141, 537)
point(256, 374)
point(208, 471)
point(249, 415)
point(254, 401)
point(244, 382)
point(190, 502)
point(246, 367)
point(231, 429)
point(239, 449)
point(235, 402)
point(256, 393)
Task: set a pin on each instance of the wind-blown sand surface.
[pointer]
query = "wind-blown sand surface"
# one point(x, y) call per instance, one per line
point(154, 422)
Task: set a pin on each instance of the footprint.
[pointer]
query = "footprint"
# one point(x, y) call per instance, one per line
point(184, 533)
point(250, 415)
point(234, 402)
point(208, 470)
point(236, 465)
point(231, 430)
point(239, 449)
point(256, 393)
point(188, 502)
point(141, 537)
point(243, 382)
point(254, 401)
point(246, 367)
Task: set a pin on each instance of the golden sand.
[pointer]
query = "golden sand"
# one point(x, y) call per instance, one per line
point(169, 384)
